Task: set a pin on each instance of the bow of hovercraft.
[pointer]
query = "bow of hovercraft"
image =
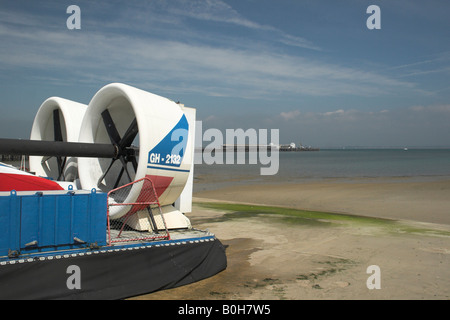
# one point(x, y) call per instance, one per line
point(100, 217)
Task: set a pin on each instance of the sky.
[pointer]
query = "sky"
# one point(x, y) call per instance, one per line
point(310, 68)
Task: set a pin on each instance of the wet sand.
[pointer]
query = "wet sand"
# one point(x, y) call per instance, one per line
point(269, 258)
point(392, 198)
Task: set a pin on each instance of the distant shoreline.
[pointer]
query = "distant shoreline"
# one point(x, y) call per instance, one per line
point(256, 148)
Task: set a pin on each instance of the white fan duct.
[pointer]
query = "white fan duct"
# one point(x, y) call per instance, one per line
point(57, 119)
point(154, 138)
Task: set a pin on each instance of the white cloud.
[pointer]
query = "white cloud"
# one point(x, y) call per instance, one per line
point(289, 115)
point(211, 118)
point(212, 10)
point(433, 109)
point(189, 67)
point(337, 112)
point(102, 54)
point(298, 42)
point(409, 126)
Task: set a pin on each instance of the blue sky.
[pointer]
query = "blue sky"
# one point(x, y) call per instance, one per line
point(310, 68)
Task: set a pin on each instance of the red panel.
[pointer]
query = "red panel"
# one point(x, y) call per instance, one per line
point(21, 182)
point(147, 194)
point(161, 183)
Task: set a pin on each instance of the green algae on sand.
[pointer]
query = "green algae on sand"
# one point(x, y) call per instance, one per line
point(318, 218)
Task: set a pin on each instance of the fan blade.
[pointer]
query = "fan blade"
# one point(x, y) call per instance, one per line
point(121, 143)
point(126, 142)
point(134, 162)
point(110, 127)
point(57, 135)
point(106, 172)
point(61, 167)
point(124, 164)
point(118, 178)
point(57, 126)
point(45, 159)
point(129, 135)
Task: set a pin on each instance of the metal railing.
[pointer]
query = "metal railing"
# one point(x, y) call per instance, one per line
point(144, 211)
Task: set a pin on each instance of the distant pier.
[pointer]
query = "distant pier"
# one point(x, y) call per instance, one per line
point(251, 148)
point(294, 149)
point(9, 157)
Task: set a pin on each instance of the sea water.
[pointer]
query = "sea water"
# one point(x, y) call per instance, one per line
point(330, 164)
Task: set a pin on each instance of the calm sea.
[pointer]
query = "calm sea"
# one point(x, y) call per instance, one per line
point(418, 164)
point(324, 164)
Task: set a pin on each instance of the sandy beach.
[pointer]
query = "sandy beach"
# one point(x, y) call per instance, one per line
point(391, 198)
point(269, 258)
